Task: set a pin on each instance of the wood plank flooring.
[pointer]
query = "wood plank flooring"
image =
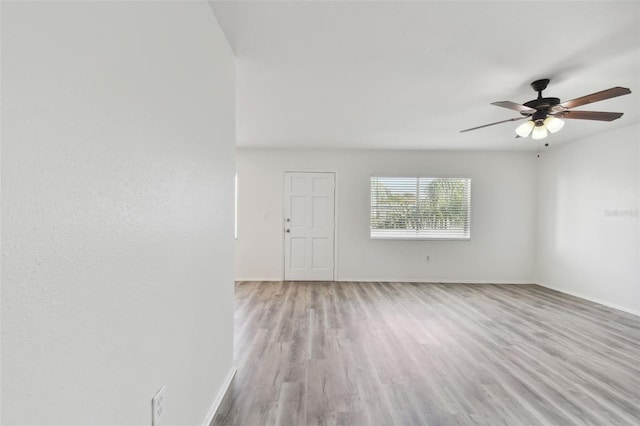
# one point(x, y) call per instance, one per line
point(374, 353)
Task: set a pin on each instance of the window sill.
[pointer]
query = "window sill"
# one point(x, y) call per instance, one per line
point(421, 238)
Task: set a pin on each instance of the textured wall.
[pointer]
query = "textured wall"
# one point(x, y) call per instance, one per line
point(117, 211)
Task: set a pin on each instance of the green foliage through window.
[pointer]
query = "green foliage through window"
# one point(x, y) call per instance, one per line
point(420, 208)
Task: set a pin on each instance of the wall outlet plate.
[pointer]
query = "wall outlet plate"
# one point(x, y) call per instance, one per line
point(157, 407)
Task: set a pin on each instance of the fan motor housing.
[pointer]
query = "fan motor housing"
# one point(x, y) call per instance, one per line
point(542, 103)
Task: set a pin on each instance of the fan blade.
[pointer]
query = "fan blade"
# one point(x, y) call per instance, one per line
point(596, 97)
point(591, 115)
point(514, 106)
point(493, 124)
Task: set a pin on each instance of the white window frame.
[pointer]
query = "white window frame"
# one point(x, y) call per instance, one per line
point(414, 186)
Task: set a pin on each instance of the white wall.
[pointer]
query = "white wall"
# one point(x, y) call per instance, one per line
point(588, 236)
point(502, 224)
point(117, 211)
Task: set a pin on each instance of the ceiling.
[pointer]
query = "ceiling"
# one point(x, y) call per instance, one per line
point(411, 75)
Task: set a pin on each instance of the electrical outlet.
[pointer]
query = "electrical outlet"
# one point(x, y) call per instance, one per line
point(157, 407)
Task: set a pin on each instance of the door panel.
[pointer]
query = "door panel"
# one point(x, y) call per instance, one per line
point(297, 260)
point(319, 252)
point(309, 200)
point(319, 212)
point(298, 212)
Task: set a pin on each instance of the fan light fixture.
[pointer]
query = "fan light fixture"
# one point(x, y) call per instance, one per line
point(525, 128)
point(553, 124)
point(538, 129)
point(539, 132)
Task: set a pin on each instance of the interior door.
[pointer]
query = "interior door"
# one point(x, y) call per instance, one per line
point(309, 222)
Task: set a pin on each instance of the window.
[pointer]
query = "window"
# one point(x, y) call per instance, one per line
point(420, 208)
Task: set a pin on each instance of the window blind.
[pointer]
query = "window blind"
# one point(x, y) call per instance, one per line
point(420, 208)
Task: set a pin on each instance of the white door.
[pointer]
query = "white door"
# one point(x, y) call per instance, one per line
point(309, 226)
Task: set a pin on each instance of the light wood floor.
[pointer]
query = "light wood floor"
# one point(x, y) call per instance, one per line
point(373, 353)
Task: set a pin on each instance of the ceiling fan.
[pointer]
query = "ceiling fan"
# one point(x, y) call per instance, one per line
point(544, 114)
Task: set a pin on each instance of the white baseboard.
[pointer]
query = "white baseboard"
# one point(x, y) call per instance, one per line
point(428, 281)
point(216, 402)
point(592, 299)
point(401, 280)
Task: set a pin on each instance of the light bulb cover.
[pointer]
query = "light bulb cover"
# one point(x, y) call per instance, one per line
point(525, 128)
point(553, 124)
point(539, 132)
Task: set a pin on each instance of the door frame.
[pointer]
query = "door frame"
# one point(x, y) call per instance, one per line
point(335, 216)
